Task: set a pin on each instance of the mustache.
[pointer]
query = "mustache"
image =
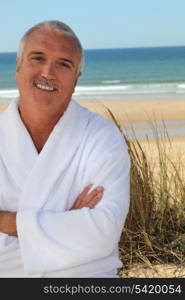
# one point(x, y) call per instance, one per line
point(51, 83)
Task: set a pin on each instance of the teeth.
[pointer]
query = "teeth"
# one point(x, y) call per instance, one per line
point(45, 88)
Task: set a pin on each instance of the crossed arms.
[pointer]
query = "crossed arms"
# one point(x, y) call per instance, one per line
point(86, 198)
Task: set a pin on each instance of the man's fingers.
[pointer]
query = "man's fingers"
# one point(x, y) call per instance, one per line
point(94, 201)
point(80, 199)
point(97, 191)
point(93, 197)
point(85, 191)
point(88, 199)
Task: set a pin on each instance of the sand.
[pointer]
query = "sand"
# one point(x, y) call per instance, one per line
point(140, 110)
point(154, 271)
point(137, 110)
point(2, 106)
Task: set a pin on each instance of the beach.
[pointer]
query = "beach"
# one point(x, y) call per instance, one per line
point(132, 111)
point(140, 110)
point(167, 114)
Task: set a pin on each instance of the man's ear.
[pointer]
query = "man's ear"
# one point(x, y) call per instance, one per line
point(79, 74)
point(76, 80)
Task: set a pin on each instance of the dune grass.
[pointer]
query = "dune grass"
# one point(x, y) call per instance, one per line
point(154, 231)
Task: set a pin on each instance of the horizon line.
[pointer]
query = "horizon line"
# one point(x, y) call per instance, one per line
point(114, 48)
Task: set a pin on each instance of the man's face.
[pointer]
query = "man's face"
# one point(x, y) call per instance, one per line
point(48, 70)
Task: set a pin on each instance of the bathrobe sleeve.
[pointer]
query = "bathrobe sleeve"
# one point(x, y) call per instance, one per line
point(52, 241)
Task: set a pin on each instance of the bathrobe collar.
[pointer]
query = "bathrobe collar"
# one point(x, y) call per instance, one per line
point(20, 156)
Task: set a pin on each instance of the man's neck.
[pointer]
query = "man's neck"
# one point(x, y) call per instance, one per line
point(39, 125)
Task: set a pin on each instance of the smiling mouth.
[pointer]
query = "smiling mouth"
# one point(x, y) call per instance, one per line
point(45, 87)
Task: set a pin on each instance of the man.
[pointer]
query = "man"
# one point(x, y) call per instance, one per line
point(53, 221)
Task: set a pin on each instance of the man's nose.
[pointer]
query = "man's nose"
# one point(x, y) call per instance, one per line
point(48, 71)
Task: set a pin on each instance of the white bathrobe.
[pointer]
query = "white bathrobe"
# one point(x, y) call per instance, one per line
point(54, 241)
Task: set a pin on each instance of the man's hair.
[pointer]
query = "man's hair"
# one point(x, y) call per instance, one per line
point(55, 26)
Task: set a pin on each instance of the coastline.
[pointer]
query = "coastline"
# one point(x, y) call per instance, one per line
point(141, 114)
point(167, 115)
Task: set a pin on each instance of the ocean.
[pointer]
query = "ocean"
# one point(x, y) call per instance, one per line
point(117, 74)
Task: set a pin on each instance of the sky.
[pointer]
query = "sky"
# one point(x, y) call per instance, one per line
point(98, 23)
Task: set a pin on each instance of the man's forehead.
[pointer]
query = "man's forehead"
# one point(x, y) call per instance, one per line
point(51, 40)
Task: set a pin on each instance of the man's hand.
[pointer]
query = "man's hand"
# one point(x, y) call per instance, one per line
point(8, 223)
point(85, 199)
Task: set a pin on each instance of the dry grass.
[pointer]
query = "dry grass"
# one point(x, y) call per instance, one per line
point(154, 232)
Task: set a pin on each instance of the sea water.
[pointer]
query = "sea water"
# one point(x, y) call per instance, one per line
point(117, 74)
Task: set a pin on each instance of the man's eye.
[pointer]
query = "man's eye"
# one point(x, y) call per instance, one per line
point(37, 58)
point(64, 64)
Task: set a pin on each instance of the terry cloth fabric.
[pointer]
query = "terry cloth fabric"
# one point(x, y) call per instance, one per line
point(54, 241)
